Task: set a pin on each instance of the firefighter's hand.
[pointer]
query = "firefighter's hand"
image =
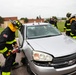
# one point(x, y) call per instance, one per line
point(9, 53)
point(15, 46)
point(16, 50)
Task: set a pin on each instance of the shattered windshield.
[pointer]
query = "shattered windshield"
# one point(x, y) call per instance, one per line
point(40, 31)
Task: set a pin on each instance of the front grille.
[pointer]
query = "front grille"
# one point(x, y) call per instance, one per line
point(59, 62)
point(71, 73)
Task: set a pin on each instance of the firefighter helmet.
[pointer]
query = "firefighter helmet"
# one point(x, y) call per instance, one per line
point(16, 23)
point(68, 15)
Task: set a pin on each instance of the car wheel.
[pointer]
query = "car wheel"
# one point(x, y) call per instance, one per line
point(25, 62)
point(29, 70)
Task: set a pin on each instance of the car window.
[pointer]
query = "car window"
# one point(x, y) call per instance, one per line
point(39, 31)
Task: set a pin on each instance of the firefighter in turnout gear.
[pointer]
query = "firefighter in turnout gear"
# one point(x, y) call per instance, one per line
point(7, 42)
point(73, 26)
point(67, 25)
point(53, 22)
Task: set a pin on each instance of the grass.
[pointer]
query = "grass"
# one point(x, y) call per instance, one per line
point(1, 29)
point(61, 26)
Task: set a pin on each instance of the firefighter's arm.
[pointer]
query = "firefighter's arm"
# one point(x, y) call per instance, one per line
point(16, 50)
point(3, 40)
point(15, 45)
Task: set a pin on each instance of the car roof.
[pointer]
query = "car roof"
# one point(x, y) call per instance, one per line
point(31, 24)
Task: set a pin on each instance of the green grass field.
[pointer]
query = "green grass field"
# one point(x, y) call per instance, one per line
point(1, 29)
point(61, 26)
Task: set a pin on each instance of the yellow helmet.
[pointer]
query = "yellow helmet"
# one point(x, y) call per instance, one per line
point(73, 18)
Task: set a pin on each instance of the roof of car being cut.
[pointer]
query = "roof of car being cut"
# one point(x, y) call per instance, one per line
point(30, 24)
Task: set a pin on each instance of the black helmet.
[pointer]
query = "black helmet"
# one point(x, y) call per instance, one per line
point(16, 23)
point(68, 15)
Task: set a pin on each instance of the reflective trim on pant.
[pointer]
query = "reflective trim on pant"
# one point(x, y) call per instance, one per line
point(68, 29)
point(8, 63)
point(6, 73)
point(14, 63)
point(71, 34)
point(74, 37)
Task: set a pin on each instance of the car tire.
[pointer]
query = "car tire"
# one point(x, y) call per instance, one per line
point(25, 63)
point(29, 70)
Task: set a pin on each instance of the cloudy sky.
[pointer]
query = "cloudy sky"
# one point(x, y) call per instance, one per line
point(34, 8)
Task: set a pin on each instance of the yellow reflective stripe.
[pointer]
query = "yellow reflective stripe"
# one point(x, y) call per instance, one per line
point(6, 73)
point(18, 22)
point(14, 63)
point(64, 27)
point(68, 24)
point(10, 42)
point(52, 24)
point(71, 34)
point(68, 29)
point(4, 50)
point(74, 37)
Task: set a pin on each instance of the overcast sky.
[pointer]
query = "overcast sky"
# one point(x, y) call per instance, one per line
point(34, 8)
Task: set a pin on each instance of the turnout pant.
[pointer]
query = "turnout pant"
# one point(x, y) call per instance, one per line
point(8, 63)
point(68, 33)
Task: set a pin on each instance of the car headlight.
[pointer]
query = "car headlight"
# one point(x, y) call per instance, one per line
point(40, 56)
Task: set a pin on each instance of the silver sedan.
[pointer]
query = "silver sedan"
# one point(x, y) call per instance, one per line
point(47, 51)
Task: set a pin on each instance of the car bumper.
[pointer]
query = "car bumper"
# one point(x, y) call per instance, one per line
point(40, 70)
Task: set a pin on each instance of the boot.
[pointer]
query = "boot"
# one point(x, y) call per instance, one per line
point(15, 64)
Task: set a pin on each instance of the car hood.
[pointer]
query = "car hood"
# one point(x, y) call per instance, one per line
point(57, 45)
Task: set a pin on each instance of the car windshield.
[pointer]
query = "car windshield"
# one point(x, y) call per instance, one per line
point(40, 31)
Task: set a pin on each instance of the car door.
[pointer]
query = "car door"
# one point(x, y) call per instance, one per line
point(21, 36)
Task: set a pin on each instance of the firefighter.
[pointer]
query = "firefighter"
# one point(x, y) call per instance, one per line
point(7, 42)
point(73, 26)
point(53, 22)
point(67, 25)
